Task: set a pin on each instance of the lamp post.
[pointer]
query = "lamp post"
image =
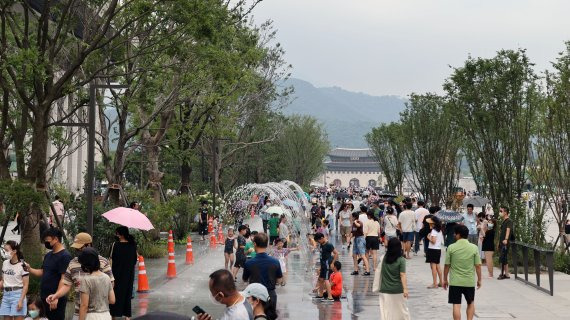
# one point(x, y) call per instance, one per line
point(90, 126)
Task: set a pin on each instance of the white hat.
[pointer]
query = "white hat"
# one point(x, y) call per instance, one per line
point(256, 290)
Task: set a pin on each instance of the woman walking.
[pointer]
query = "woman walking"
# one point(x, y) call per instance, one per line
point(393, 285)
point(372, 237)
point(359, 249)
point(96, 288)
point(433, 255)
point(123, 261)
point(15, 283)
point(390, 225)
point(345, 224)
point(488, 244)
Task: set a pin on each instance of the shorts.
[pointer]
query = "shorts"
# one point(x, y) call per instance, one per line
point(455, 293)
point(433, 256)
point(359, 246)
point(9, 305)
point(325, 272)
point(372, 243)
point(504, 255)
point(345, 230)
point(408, 236)
point(229, 251)
point(240, 261)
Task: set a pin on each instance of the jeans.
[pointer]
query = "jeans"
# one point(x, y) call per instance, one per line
point(417, 242)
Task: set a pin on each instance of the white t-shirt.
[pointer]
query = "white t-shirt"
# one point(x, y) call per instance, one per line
point(390, 225)
point(13, 274)
point(438, 240)
point(420, 215)
point(345, 218)
point(237, 312)
point(363, 217)
point(408, 220)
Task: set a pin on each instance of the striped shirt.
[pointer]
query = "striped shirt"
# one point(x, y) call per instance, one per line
point(73, 274)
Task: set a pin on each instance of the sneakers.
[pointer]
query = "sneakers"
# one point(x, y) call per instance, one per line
point(326, 300)
point(502, 277)
point(366, 273)
point(354, 273)
point(343, 246)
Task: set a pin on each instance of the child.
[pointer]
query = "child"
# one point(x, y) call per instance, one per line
point(336, 281)
point(325, 228)
point(215, 224)
point(229, 249)
point(281, 253)
point(15, 281)
point(36, 309)
point(328, 256)
point(249, 248)
point(95, 288)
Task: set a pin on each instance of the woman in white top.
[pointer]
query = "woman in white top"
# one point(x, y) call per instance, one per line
point(433, 254)
point(390, 225)
point(345, 223)
point(15, 283)
point(372, 237)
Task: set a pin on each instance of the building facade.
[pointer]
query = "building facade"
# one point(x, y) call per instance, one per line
point(346, 167)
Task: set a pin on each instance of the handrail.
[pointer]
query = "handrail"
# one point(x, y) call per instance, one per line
point(537, 251)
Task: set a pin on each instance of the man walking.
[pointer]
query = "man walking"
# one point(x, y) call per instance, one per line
point(462, 261)
point(59, 213)
point(407, 222)
point(263, 268)
point(505, 238)
point(470, 221)
point(421, 212)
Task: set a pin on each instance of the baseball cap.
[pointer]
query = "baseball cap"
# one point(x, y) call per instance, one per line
point(81, 239)
point(256, 290)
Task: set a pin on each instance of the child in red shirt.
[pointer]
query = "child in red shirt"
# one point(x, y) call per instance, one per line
point(336, 281)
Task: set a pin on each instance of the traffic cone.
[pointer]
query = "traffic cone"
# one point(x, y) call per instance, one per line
point(213, 240)
point(143, 303)
point(143, 279)
point(170, 241)
point(210, 225)
point(189, 253)
point(220, 234)
point(171, 271)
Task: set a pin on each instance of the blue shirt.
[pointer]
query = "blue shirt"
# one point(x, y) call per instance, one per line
point(262, 269)
point(54, 265)
point(470, 221)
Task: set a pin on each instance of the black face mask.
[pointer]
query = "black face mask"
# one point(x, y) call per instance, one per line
point(48, 245)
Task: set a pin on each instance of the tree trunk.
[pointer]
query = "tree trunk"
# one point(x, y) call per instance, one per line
point(38, 156)
point(30, 242)
point(4, 155)
point(154, 173)
point(185, 175)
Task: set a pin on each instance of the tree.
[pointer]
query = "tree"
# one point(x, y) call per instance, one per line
point(387, 143)
point(495, 102)
point(432, 146)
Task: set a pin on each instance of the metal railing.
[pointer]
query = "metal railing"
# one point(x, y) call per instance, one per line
point(537, 253)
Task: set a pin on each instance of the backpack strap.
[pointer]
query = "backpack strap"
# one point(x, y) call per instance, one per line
point(249, 309)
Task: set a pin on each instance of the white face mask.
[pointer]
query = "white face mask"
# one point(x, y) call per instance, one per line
point(214, 300)
point(490, 225)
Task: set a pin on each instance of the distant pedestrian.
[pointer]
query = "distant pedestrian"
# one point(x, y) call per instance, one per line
point(273, 226)
point(372, 238)
point(96, 288)
point(391, 225)
point(59, 212)
point(393, 284)
point(53, 267)
point(203, 221)
point(407, 220)
point(433, 254)
point(229, 249)
point(123, 261)
point(470, 221)
point(505, 238)
point(239, 246)
point(345, 224)
point(462, 262)
point(263, 268)
point(284, 233)
point(488, 244)
point(421, 212)
point(15, 280)
point(359, 249)
point(328, 256)
point(264, 214)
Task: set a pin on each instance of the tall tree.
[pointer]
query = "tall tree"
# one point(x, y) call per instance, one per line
point(387, 144)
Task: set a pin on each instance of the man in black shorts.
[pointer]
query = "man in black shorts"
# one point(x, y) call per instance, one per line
point(240, 252)
point(328, 256)
point(505, 238)
point(463, 260)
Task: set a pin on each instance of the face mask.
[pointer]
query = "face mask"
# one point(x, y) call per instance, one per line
point(34, 313)
point(214, 300)
point(490, 225)
point(48, 245)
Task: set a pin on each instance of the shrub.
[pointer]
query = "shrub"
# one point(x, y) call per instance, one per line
point(103, 231)
point(562, 262)
point(151, 250)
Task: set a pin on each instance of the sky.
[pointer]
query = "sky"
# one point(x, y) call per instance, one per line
point(396, 47)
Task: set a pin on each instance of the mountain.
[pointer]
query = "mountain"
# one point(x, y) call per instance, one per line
point(347, 116)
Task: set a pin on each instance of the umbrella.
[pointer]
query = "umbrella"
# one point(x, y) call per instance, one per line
point(159, 315)
point(275, 210)
point(449, 216)
point(342, 195)
point(290, 203)
point(240, 205)
point(128, 217)
point(387, 194)
point(476, 201)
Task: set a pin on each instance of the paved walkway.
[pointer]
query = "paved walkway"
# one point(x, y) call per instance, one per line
point(507, 299)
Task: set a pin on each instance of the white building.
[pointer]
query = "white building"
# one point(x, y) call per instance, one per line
point(351, 167)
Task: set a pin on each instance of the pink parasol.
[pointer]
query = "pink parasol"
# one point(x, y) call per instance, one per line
point(128, 217)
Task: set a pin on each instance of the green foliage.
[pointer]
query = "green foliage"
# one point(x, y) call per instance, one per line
point(562, 262)
point(151, 249)
point(181, 211)
point(103, 231)
point(18, 196)
point(388, 144)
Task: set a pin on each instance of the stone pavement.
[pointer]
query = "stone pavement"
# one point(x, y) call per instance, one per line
point(507, 299)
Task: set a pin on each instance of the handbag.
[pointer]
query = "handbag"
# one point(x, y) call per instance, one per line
point(378, 276)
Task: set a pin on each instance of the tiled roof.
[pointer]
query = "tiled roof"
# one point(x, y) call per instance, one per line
point(351, 153)
point(352, 166)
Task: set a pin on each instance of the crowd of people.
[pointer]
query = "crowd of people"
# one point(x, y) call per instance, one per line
point(102, 287)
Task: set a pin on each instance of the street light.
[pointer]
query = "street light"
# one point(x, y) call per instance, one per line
point(90, 126)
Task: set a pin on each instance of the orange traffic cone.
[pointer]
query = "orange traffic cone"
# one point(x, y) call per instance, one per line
point(210, 225)
point(171, 271)
point(170, 241)
point(189, 253)
point(143, 303)
point(143, 279)
point(220, 234)
point(213, 240)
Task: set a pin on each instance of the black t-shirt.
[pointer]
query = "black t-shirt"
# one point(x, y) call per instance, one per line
point(54, 266)
point(316, 212)
point(326, 253)
point(357, 231)
point(508, 223)
point(240, 253)
point(204, 214)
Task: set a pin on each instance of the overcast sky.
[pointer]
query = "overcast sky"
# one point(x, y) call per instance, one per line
point(397, 47)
